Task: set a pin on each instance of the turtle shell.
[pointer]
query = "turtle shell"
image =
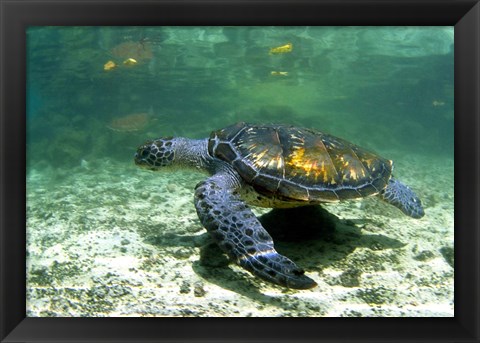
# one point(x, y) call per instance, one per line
point(299, 164)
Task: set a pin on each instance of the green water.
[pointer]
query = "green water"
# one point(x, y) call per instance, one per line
point(105, 238)
point(386, 88)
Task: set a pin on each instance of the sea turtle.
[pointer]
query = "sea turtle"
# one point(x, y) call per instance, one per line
point(275, 166)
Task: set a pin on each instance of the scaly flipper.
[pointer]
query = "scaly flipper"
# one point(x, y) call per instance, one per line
point(238, 232)
point(399, 195)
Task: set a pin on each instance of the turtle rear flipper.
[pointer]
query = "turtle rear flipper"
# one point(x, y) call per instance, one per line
point(399, 195)
point(237, 231)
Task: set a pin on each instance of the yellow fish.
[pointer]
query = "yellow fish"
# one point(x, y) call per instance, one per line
point(279, 73)
point(130, 61)
point(282, 49)
point(109, 66)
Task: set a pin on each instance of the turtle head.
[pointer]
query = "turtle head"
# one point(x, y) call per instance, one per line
point(157, 154)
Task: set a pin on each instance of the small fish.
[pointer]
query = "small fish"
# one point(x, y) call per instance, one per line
point(282, 49)
point(110, 65)
point(279, 73)
point(130, 61)
point(438, 103)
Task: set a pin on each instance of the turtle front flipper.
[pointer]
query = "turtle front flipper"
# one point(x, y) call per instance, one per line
point(399, 195)
point(238, 232)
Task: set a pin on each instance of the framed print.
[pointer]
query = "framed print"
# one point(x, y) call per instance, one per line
point(301, 171)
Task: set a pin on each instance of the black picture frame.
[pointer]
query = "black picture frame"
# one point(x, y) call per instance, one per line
point(17, 15)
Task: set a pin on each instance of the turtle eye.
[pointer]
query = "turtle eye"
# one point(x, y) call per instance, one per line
point(145, 152)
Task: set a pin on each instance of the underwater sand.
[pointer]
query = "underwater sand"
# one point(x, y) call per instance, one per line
point(108, 239)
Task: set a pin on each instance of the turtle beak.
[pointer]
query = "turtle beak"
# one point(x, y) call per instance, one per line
point(135, 158)
point(138, 161)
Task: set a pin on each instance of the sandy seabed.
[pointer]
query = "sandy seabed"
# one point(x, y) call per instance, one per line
point(107, 239)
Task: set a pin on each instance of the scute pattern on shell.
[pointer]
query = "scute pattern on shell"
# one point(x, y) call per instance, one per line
point(300, 164)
